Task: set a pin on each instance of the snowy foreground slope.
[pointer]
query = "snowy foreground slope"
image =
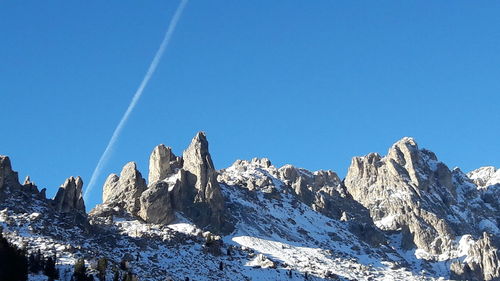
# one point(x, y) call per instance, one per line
point(254, 221)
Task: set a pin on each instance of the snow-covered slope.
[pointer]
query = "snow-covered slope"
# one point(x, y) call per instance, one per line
point(485, 176)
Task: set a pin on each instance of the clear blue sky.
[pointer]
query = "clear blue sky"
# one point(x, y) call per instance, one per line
point(310, 83)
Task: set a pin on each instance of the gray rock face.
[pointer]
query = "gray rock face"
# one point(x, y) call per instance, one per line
point(162, 163)
point(126, 189)
point(69, 196)
point(30, 186)
point(186, 184)
point(156, 204)
point(201, 187)
point(321, 190)
point(481, 263)
point(8, 177)
point(409, 189)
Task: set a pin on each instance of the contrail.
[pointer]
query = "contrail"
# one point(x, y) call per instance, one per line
point(106, 154)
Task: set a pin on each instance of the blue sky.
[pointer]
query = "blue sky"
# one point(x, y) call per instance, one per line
point(310, 83)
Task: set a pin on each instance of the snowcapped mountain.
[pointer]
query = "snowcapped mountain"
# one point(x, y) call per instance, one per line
point(485, 176)
point(403, 216)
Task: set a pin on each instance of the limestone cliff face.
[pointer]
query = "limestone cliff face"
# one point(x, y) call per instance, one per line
point(201, 187)
point(126, 189)
point(68, 199)
point(482, 262)
point(69, 196)
point(187, 184)
point(162, 163)
point(409, 189)
point(8, 177)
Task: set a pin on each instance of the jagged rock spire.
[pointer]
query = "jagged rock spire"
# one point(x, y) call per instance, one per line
point(8, 177)
point(69, 196)
point(188, 184)
point(482, 262)
point(410, 189)
point(162, 163)
point(125, 189)
point(202, 175)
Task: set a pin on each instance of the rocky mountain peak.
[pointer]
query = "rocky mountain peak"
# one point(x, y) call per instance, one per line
point(8, 177)
point(201, 174)
point(27, 180)
point(485, 176)
point(408, 188)
point(263, 162)
point(126, 188)
point(69, 196)
point(187, 184)
point(162, 163)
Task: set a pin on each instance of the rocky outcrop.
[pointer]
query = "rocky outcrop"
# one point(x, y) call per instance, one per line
point(187, 184)
point(409, 189)
point(8, 177)
point(69, 196)
point(482, 262)
point(156, 204)
point(322, 190)
point(162, 163)
point(485, 177)
point(200, 194)
point(126, 189)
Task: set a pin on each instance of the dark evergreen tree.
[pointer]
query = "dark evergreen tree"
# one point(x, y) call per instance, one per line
point(32, 264)
point(221, 266)
point(129, 277)
point(116, 275)
point(102, 265)
point(13, 261)
point(80, 271)
point(123, 264)
point(50, 269)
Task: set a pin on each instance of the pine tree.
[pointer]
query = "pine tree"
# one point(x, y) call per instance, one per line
point(102, 265)
point(80, 271)
point(221, 266)
point(129, 277)
point(32, 264)
point(50, 269)
point(13, 261)
point(116, 275)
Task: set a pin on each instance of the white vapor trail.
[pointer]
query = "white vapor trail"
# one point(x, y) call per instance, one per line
point(154, 64)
